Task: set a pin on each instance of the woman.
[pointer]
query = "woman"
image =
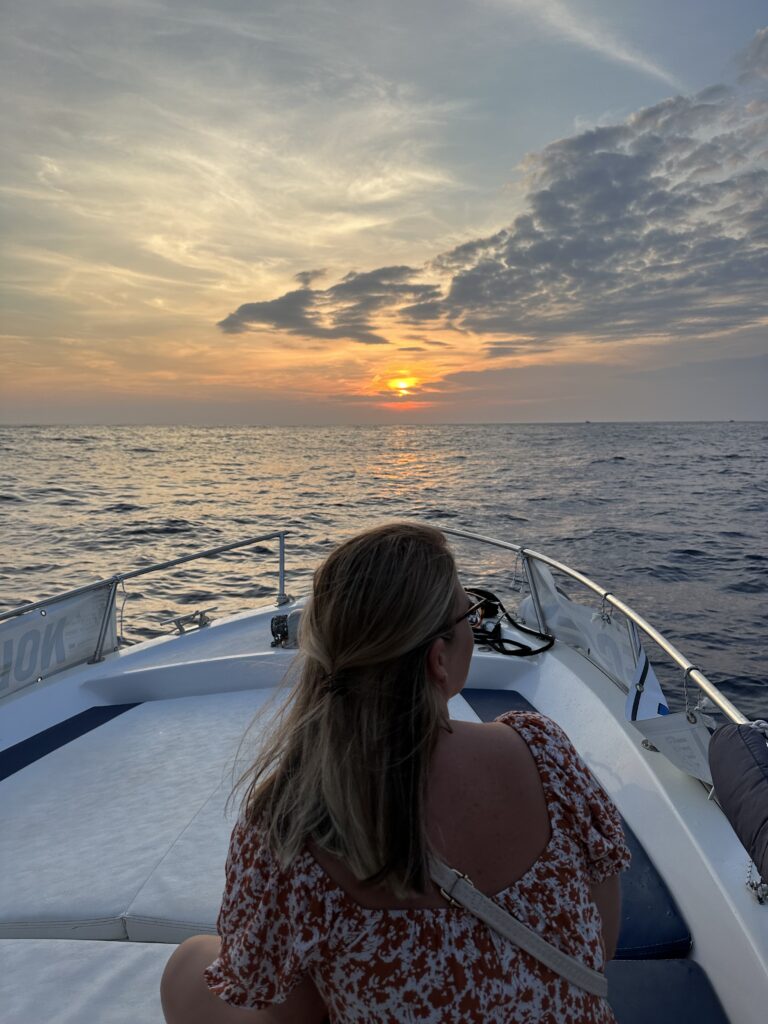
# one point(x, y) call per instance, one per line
point(328, 907)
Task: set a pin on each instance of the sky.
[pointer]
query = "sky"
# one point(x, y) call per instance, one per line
point(354, 211)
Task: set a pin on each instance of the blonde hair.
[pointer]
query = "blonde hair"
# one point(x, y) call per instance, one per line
point(347, 765)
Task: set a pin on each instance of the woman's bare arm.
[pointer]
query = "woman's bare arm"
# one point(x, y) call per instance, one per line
point(187, 999)
point(607, 896)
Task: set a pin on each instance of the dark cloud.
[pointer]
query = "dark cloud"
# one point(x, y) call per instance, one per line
point(303, 312)
point(655, 227)
point(499, 349)
point(306, 277)
point(344, 310)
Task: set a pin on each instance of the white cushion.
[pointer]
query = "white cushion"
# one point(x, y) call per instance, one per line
point(182, 895)
point(122, 833)
point(53, 981)
point(84, 830)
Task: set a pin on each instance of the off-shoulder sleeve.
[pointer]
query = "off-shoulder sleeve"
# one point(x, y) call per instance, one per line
point(591, 813)
point(267, 924)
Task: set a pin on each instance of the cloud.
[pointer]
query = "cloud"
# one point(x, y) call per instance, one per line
point(501, 349)
point(656, 225)
point(652, 228)
point(230, 143)
point(754, 60)
point(564, 21)
point(306, 277)
point(342, 311)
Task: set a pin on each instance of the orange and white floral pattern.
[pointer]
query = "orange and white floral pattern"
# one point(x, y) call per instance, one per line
point(437, 966)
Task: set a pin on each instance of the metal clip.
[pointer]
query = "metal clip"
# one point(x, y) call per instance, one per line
point(688, 713)
point(447, 895)
point(755, 884)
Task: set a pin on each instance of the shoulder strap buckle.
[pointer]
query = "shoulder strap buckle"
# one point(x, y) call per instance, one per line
point(457, 877)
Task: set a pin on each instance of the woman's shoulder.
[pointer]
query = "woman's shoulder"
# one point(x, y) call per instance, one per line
point(487, 809)
point(532, 721)
point(561, 768)
point(481, 746)
point(542, 734)
point(567, 778)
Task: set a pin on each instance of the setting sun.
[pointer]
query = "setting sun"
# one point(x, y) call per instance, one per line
point(402, 385)
point(276, 234)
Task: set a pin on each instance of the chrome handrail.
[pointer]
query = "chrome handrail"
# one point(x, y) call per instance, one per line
point(691, 671)
point(118, 578)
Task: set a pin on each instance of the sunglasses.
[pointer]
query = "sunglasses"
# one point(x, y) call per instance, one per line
point(473, 614)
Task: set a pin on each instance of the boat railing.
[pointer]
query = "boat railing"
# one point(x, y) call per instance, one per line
point(691, 673)
point(79, 626)
point(32, 651)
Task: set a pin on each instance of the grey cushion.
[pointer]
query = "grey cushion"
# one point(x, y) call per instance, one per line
point(53, 981)
point(738, 759)
point(90, 834)
point(122, 833)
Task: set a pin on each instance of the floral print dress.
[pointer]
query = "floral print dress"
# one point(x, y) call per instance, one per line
point(431, 965)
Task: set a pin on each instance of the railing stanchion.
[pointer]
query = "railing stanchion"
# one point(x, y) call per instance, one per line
point(98, 654)
point(281, 595)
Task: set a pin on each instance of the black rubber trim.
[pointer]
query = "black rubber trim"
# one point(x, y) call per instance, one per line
point(28, 751)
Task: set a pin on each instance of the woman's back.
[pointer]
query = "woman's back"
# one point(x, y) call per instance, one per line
point(486, 815)
point(537, 841)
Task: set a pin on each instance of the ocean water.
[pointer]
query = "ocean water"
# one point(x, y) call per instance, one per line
point(670, 517)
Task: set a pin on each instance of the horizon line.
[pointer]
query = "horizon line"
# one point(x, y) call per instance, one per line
point(347, 426)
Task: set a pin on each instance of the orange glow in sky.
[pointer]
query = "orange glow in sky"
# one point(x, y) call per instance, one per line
point(276, 235)
point(403, 385)
point(405, 406)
